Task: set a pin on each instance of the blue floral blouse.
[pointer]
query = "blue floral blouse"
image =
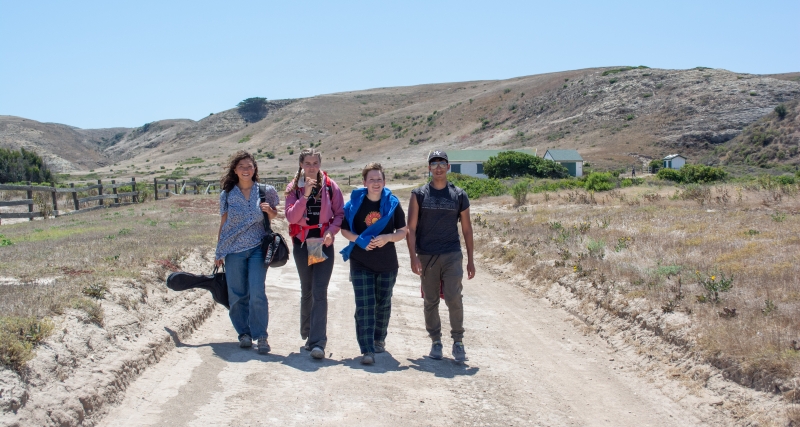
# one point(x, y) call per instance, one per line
point(244, 227)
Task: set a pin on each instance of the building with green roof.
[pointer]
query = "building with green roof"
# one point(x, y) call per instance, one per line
point(470, 162)
point(569, 158)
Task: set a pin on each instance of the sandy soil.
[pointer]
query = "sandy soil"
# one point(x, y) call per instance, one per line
point(529, 364)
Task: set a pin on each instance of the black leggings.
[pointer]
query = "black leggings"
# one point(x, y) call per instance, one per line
point(314, 281)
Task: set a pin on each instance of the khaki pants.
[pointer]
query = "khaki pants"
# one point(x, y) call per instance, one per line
point(447, 269)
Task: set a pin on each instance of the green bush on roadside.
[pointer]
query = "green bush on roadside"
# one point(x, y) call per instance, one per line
point(599, 181)
point(18, 336)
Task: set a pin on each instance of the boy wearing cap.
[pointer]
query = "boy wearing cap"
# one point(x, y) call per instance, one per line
point(435, 250)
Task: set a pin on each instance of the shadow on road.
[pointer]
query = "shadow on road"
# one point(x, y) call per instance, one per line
point(384, 362)
point(445, 368)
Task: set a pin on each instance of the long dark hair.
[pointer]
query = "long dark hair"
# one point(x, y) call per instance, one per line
point(230, 179)
point(303, 154)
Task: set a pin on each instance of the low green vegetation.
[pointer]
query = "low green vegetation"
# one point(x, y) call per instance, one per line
point(510, 164)
point(693, 174)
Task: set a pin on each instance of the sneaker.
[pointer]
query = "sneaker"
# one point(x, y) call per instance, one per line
point(368, 359)
point(436, 350)
point(380, 346)
point(317, 353)
point(245, 341)
point(459, 354)
point(263, 346)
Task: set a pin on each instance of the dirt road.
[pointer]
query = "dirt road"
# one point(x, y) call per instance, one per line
point(529, 364)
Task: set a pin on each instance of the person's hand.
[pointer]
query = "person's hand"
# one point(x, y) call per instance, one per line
point(309, 186)
point(470, 270)
point(266, 208)
point(327, 240)
point(416, 265)
point(219, 263)
point(378, 241)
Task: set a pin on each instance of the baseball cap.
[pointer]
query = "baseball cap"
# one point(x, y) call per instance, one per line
point(437, 154)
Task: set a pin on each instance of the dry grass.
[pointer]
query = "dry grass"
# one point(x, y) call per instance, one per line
point(62, 263)
point(662, 244)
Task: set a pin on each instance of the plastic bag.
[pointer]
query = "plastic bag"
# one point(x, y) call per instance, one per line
point(315, 254)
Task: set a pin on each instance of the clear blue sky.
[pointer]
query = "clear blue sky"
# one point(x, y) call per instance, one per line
point(95, 64)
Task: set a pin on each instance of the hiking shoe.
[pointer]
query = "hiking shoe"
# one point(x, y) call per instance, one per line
point(263, 346)
point(317, 353)
point(245, 341)
point(368, 359)
point(380, 346)
point(307, 347)
point(436, 350)
point(459, 354)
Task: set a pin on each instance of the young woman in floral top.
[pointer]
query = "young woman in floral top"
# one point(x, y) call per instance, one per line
point(239, 248)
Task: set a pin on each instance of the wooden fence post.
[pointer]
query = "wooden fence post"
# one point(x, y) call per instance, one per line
point(100, 191)
point(183, 187)
point(75, 197)
point(30, 196)
point(135, 197)
point(155, 188)
point(114, 190)
point(176, 187)
point(55, 200)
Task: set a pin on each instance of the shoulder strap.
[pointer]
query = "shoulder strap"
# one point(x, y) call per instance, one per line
point(262, 195)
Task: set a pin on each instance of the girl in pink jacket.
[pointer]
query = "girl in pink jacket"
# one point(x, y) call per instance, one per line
point(314, 209)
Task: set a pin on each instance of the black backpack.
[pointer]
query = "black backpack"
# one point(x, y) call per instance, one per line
point(276, 251)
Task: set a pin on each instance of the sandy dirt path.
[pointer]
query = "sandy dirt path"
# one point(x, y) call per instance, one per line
point(528, 365)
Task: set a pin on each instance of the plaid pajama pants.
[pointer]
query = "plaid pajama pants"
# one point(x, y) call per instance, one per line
point(373, 292)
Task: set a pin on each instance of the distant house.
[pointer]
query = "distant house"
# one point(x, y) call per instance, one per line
point(569, 158)
point(674, 161)
point(470, 162)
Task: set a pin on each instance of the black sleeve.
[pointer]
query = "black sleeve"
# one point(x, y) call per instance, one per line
point(463, 201)
point(399, 218)
point(346, 224)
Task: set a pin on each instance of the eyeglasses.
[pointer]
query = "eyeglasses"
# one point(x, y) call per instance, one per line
point(442, 163)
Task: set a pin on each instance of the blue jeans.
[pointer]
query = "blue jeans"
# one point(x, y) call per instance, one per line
point(246, 273)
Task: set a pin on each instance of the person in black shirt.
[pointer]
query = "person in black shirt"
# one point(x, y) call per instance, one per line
point(434, 247)
point(374, 221)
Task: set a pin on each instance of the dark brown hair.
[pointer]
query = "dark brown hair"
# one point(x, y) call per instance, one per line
point(374, 166)
point(296, 179)
point(230, 179)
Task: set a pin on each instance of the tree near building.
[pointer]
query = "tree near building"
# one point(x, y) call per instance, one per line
point(511, 164)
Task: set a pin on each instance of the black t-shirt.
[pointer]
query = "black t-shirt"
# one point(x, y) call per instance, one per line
point(439, 210)
point(379, 260)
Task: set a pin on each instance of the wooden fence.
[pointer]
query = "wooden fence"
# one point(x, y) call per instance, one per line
point(83, 198)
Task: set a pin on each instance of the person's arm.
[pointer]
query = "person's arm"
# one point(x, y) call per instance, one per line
point(381, 240)
point(349, 235)
point(219, 262)
point(466, 228)
point(295, 209)
point(337, 207)
point(271, 201)
point(411, 234)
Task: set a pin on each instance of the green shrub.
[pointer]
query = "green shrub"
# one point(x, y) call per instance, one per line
point(669, 175)
point(520, 191)
point(18, 336)
point(477, 187)
point(655, 165)
point(511, 164)
point(785, 180)
point(781, 111)
point(599, 181)
point(701, 174)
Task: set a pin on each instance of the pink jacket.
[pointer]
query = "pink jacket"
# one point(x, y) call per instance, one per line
point(332, 206)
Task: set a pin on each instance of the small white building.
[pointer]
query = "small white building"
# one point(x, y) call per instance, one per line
point(674, 161)
point(569, 158)
point(470, 162)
